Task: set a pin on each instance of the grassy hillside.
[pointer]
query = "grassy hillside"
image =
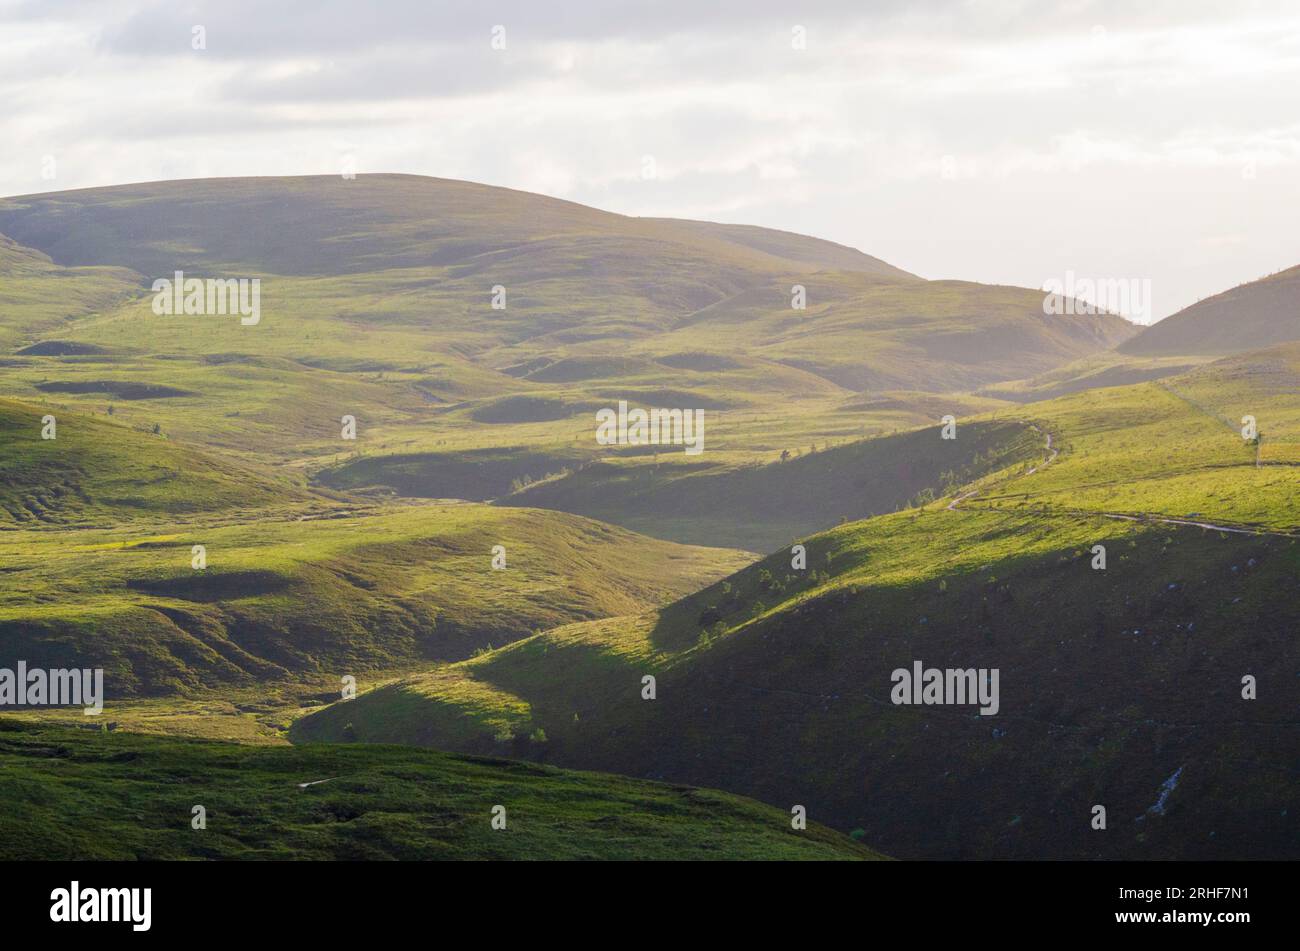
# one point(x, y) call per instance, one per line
point(1174, 448)
point(328, 556)
point(329, 225)
point(932, 335)
point(376, 304)
point(78, 795)
point(1110, 683)
point(788, 246)
point(39, 297)
point(1249, 317)
point(1263, 384)
point(759, 507)
point(1092, 372)
point(97, 470)
point(331, 591)
point(776, 682)
point(394, 274)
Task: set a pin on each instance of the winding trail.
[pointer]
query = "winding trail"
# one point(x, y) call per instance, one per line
point(1052, 454)
point(1170, 520)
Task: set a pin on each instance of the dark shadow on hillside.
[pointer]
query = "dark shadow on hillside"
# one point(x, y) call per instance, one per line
point(761, 507)
point(476, 474)
point(121, 389)
point(208, 586)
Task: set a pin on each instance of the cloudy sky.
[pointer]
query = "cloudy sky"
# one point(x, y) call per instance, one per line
point(992, 140)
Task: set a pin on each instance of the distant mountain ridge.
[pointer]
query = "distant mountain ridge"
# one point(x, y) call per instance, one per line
point(580, 281)
point(313, 224)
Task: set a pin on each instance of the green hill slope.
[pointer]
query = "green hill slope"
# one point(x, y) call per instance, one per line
point(1120, 687)
point(76, 795)
point(329, 225)
point(329, 590)
point(758, 507)
point(789, 246)
point(37, 296)
point(1110, 682)
point(415, 259)
point(376, 304)
point(1092, 372)
point(1249, 317)
point(776, 682)
point(1174, 448)
point(95, 470)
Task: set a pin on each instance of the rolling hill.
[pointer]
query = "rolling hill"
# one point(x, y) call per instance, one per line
point(288, 593)
point(1249, 317)
point(777, 681)
point(373, 557)
point(759, 507)
point(1111, 683)
point(37, 295)
point(75, 795)
point(95, 471)
point(397, 254)
point(329, 225)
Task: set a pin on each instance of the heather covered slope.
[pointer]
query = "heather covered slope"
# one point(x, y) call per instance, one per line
point(414, 260)
point(1248, 317)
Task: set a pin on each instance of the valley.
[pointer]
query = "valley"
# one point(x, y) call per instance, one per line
point(500, 582)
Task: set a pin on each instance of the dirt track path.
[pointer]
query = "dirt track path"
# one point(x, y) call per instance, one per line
point(1127, 516)
point(1052, 454)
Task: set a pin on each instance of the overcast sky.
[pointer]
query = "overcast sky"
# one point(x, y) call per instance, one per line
point(991, 140)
